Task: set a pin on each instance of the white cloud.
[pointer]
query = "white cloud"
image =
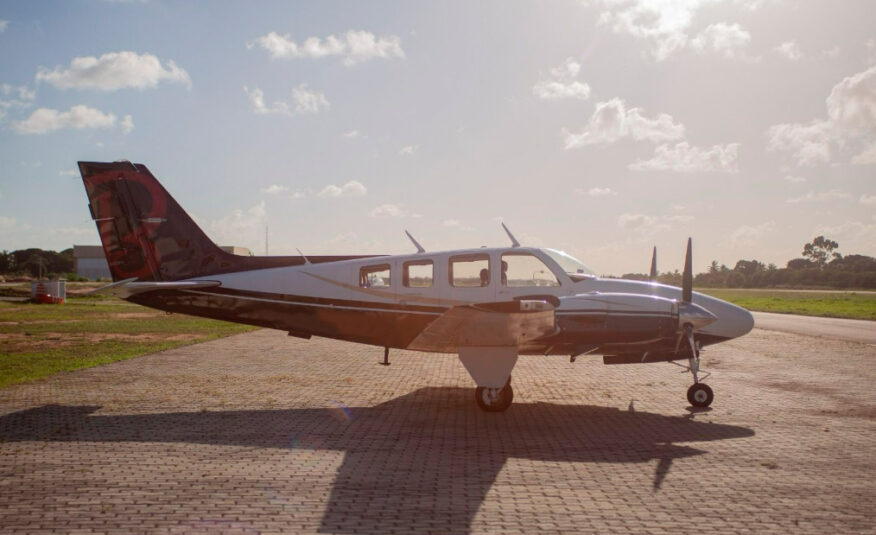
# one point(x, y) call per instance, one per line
point(729, 40)
point(127, 124)
point(641, 224)
point(597, 192)
point(687, 159)
point(832, 195)
point(852, 235)
point(389, 210)
point(665, 24)
point(21, 96)
point(352, 188)
point(611, 121)
point(408, 150)
point(307, 101)
point(562, 83)
point(78, 117)
point(352, 134)
point(790, 50)
point(793, 178)
point(3, 25)
point(274, 189)
point(869, 200)
point(810, 143)
point(748, 234)
point(113, 71)
point(69, 172)
point(244, 228)
point(830, 52)
point(850, 122)
point(303, 101)
point(451, 223)
point(355, 46)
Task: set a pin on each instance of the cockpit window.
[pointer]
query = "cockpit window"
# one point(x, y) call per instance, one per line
point(569, 263)
point(524, 270)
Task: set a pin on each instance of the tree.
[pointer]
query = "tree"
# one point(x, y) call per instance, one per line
point(820, 250)
point(713, 267)
point(748, 267)
point(800, 263)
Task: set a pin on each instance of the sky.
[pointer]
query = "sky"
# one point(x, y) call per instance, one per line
point(600, 127)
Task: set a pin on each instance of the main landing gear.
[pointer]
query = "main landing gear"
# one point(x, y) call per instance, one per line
point(494, 399)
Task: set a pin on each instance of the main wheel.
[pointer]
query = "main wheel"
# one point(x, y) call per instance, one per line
point(494, 399)
point(700, 395)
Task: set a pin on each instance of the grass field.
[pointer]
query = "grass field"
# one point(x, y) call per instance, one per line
point(830, 304)
point(39, 340)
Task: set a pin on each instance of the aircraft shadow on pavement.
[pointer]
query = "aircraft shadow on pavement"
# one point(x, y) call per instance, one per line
point(425, 460)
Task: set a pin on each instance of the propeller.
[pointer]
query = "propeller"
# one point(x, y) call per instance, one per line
point(690, 315)
point(653, 275)
point(687, 276)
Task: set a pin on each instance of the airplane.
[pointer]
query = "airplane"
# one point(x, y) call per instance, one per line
point(488, 305)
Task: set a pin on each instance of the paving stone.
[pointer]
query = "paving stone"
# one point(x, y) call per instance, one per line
point(262, 433)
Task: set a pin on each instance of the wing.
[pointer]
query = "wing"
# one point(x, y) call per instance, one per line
point(512, 323)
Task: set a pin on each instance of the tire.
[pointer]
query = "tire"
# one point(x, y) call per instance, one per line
point(499, 403)
point(700, 395)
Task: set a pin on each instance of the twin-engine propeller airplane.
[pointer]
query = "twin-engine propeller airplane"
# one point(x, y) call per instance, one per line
point(488, 305)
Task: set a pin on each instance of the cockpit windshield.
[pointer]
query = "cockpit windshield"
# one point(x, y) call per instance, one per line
point(571, 265)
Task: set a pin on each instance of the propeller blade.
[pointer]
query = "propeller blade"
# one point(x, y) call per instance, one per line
point(653, 276)
point(687, 276)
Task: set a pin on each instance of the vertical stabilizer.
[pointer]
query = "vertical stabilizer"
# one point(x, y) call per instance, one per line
point(144, 232)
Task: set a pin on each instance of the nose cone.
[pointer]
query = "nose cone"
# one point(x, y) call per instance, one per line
point(731, 321)
point(696, 315)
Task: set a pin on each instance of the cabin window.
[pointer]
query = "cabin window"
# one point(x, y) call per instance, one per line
point(525, 270)
point(470, 271)
point(374, 276)
point(417, 274)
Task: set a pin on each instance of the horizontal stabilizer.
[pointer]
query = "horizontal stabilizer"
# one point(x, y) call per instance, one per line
point(128, 287)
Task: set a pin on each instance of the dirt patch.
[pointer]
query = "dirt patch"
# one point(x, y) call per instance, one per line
point(134, 315)
point(22, 342)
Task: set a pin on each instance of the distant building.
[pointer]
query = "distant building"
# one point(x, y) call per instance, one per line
point(233, 249)
point(91, 262)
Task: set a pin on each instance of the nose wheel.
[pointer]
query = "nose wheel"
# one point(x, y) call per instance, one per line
point(700, 395)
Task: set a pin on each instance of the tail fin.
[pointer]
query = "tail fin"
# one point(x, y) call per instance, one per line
point(145, 233)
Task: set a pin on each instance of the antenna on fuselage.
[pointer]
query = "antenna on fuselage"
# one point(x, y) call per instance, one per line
point(514, 242)
point(416, 243)
point(306, 260)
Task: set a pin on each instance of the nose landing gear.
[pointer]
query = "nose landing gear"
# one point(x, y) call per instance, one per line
point(699, 394)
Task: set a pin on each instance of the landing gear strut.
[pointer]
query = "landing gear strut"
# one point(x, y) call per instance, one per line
point(699, 394)
point(494, 399)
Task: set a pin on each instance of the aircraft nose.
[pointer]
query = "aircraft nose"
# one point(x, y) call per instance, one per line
point(733, 321)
